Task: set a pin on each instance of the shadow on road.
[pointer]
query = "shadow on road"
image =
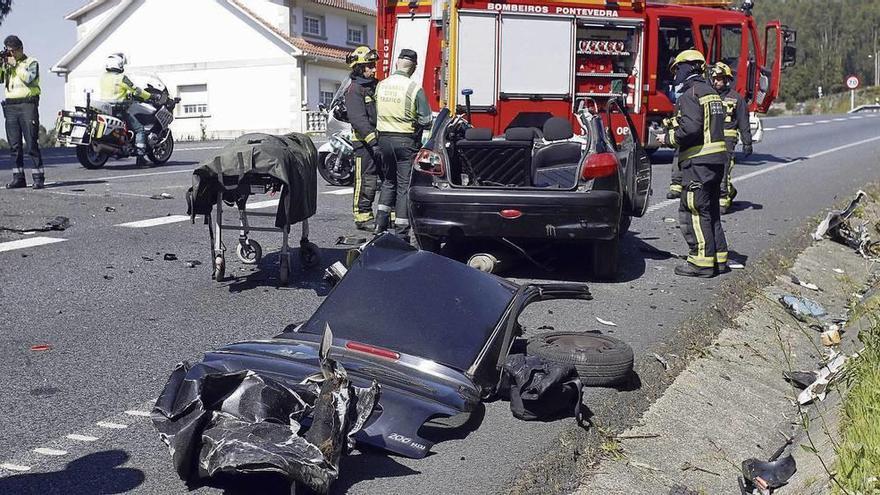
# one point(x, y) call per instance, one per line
point(94, 474)
point(68, 183)
point(267, 271)
point(744, 205)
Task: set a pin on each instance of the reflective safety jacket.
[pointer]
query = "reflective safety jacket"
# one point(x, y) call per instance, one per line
point(401, 105)
point(21, 80)
point(736, 119)
point(116, 87)
point(360, 101)
point(699, 124)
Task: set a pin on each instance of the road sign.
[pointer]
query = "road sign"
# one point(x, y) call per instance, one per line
point(853, 82)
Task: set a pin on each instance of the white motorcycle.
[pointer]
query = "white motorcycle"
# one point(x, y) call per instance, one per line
point(336, 156)
point(99, 130)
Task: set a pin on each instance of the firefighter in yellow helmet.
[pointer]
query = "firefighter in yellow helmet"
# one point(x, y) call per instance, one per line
point(403, 115)
point(736, 127)
point(360, 104)
point(20, 77)
point(698, 134)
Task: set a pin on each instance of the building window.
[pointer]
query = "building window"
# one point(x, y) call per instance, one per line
point(356, 35)
point(326, 91)
point(313, 25)
point(193, 100)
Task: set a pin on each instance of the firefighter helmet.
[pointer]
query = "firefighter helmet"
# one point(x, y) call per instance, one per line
point(361, 55)
point(721, 70)
point(688, 56)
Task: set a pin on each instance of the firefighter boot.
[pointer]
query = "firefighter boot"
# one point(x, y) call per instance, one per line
point(721, 268)
point(368, 225)
point(39, 180)
point(18, 182)
point(690, 270)
point(673, 194)
point(383, 220)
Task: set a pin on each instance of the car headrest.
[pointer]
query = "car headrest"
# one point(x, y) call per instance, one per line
point(478, 134)
point(520, 134)
point(557, 129)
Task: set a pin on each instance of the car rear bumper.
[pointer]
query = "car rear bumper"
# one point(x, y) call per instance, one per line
point(556, 215)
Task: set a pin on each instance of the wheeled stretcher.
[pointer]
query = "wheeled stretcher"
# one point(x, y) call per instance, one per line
point(258, 164)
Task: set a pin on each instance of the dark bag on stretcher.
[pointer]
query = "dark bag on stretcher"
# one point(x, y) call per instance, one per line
point(290, 159)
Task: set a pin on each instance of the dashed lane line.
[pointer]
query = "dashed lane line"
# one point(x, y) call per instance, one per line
point(839, 120)
point(670, 202)
point(29, 242)
point(803, 124)
point(135, 412)
point(50, 452)
point(147, 174)
point(786, 126)
point(111, 425)
point(823, 121)
point(15, 467)
point(152, 222)
point(81, 438)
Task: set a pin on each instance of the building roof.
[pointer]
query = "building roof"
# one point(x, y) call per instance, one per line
point(85, 9)
point(346, 5)
point(307, 47)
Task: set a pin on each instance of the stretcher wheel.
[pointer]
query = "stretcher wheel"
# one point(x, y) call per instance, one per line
point(309, 254)
point(284, 270)
point(219, 268)
point(250, 252)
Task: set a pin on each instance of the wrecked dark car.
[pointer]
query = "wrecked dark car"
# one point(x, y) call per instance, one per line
point(439, 359)
point(532, 185)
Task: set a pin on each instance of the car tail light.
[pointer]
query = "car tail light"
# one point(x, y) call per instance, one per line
point(428, 162)
point(375, 351)
point(600, 165)
point(510, 214)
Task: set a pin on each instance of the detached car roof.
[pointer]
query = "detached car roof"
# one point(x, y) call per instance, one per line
point(440, 309)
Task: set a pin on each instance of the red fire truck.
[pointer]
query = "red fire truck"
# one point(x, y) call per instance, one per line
point(527, 60)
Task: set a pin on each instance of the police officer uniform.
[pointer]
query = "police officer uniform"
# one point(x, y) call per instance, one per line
point(403, 114)
point(699, 137)
point(736, 128)
point(360, 102)
point(117, 89)
point(21, 108)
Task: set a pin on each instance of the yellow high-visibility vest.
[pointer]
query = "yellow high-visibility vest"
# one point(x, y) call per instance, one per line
point(396, 104)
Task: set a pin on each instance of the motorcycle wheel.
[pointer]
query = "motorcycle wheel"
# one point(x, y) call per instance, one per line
point(162, 152)
point(89, 158)
point(325, 167)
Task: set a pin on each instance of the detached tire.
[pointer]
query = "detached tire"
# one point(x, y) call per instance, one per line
point(600, 360)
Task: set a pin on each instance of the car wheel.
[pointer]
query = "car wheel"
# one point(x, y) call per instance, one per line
point(605, 258)
point(598, 359)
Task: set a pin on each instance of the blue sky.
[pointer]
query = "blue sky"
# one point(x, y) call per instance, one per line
point(47, 36)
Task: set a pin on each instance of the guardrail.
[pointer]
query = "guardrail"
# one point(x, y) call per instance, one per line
point(873, 107)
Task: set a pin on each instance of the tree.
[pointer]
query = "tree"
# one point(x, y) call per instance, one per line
point(5, 7)
point(47, 139)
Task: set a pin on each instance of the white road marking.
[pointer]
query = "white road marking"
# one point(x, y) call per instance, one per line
point(152, 222)
point(670, 202)
point(134, 412)
point(52, 452)
point(340, 192)
point(15, 467)
point(81, 438)
point(129, 176)
point(262, 204)
point(823, 121)
point(786, 127)
point(805, 124)
point(199, 149)
point(29, 242)
point(856, 117)
point(769, 129)
point(111, 425)
point(839, 120)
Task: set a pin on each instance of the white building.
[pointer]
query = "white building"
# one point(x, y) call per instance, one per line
point(237, 65)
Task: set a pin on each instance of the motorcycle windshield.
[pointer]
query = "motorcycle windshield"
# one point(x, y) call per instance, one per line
point(147, 80)
point(415, 302)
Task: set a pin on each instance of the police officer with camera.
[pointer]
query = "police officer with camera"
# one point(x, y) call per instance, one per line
point(20, 77)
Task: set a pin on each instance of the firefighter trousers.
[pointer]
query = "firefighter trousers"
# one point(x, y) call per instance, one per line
point(728, 192)
point(397, 155)
point(675, 179)
point(366, 182)
point(700, 213)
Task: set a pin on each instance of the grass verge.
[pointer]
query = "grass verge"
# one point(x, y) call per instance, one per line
point(858, 454)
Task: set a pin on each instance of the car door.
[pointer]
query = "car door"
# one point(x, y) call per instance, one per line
point(634, 160)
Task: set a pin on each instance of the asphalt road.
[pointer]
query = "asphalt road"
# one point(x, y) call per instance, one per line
point(117, 317)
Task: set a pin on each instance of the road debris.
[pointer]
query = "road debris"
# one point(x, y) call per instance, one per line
point(261, 431)
point(162, 196)
point(830, 337)
point(803, 284)
point(193, 263)
point(169, 257)
point(147, 258)
point(687, 466)
point(56, 223)
point(800, 379)
point(736, 266)
point(606, 322)
point(825, 376)
point(802, 308)
point(40, 347)
point(767, 476)
point(838, 270)
point(669, 220)
point(109, 209)
point(839, 227)
point(662, 361)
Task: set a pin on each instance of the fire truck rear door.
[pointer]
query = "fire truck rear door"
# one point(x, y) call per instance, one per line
point(412, 32)
point(767, 83)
